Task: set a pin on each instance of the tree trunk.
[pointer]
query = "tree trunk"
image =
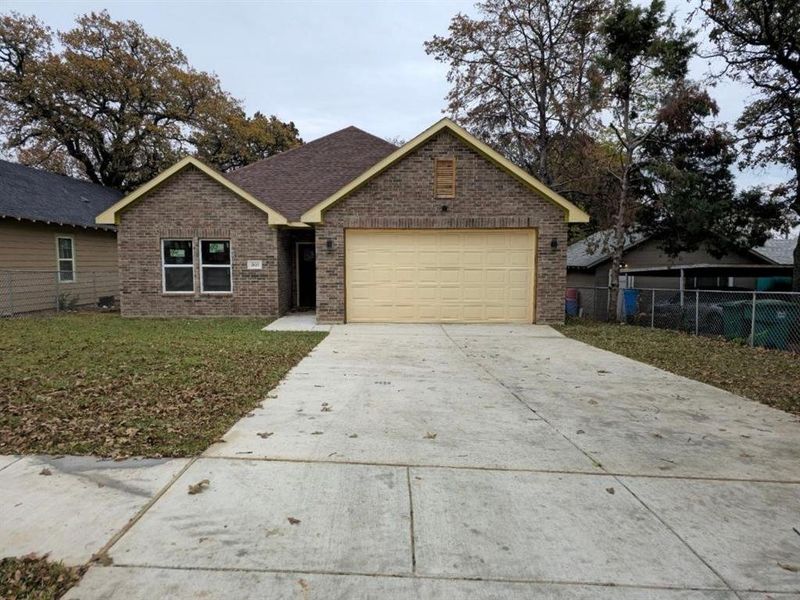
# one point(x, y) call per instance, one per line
point(796, 204)
point(617, 249)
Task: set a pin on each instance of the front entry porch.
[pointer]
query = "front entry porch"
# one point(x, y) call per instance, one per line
point(299, 270)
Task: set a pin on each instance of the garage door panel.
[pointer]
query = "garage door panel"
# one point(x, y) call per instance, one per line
point(440, 275)
point(517, 277)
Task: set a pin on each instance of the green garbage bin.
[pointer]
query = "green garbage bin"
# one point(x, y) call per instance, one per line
point(736, 319)
point(774, 322)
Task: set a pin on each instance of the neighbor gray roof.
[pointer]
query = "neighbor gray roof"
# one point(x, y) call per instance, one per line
point(593, 250)
point(777, 251)
point(36, 195)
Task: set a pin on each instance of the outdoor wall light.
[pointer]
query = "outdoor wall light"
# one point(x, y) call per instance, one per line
point(329, 244)
point(554, 243)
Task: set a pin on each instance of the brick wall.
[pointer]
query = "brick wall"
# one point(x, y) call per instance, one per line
point(402, 197)
point(192, 205)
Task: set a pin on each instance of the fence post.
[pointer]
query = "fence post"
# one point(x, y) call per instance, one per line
point(58, 291)
point(753, 322)
point(10, 277)
point(697, 312)
point(653, 310)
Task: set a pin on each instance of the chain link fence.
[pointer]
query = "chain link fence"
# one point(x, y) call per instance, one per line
point(766, 319)
point(30, 292)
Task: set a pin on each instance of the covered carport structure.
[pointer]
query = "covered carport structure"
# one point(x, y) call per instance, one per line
point(732, 276)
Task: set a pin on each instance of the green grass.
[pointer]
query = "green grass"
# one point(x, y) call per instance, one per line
point(100, 384)
point(768, 376)
point(35, 578)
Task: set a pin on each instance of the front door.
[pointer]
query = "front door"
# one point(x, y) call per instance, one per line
point(306, 275)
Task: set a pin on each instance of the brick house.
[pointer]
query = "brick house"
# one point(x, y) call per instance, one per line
point(442, 229)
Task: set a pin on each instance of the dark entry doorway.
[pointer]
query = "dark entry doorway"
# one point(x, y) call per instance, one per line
point(306, 261)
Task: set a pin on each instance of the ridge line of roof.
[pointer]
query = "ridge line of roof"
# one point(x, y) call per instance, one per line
point(306, 145)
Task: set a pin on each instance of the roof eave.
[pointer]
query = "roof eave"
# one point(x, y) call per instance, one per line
point(97, 227)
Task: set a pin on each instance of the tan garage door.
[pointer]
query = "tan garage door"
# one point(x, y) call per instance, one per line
point(439, 276)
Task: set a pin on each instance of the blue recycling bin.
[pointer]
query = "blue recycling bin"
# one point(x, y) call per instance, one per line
point(630, 299)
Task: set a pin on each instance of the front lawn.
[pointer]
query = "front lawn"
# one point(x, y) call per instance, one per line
point(100, 384)
point(769, 376)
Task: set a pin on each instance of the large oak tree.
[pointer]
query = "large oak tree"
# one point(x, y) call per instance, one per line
point(110, 103)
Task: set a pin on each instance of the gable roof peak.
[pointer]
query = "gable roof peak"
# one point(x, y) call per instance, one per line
point(572, 213)
point(110, 216)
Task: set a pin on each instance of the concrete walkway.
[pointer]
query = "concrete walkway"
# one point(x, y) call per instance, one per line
point(477, 462)
point(302, 321)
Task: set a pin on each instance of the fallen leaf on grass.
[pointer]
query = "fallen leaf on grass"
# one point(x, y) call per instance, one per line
point(198, 487)
point(293, 521)
point(430, 435)
point(45, 471)
point(264, 434)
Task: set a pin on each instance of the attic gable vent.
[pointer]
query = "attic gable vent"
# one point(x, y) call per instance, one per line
point(444, 178)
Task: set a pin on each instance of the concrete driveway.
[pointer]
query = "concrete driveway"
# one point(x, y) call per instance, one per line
point(477, 462)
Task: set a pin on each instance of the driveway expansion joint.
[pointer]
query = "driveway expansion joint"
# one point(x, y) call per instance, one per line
point(419, 576)
point(13, 462)
point(135, 519)
point(401, 465)
point(411, 522)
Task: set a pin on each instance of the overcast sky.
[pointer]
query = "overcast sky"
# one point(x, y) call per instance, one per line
point(325, 64)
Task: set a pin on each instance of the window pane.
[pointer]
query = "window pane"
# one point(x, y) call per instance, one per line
point(216, 279)
point(65, 270)
point(215, 252)
point(64, 248)
point(177, 252)
point(179, 279)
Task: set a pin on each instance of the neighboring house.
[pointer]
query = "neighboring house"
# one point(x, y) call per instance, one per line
point(51, 246)
point(442, 229)
point(646, 266)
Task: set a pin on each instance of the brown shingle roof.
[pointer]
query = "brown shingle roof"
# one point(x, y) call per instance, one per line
point(293, 181)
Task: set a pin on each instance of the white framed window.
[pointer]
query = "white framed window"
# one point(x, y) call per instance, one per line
point(177, 266)
point(215, 267)
point(65, 258)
